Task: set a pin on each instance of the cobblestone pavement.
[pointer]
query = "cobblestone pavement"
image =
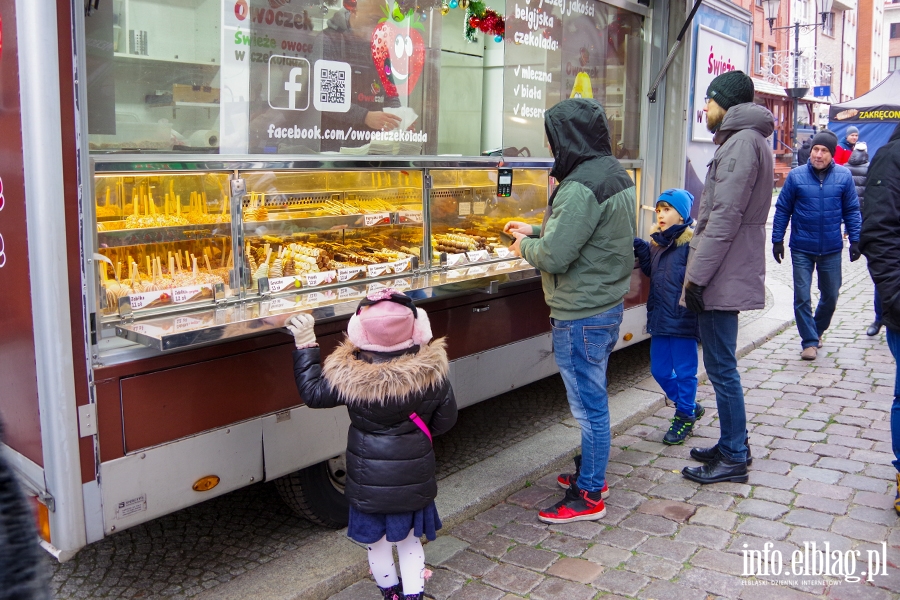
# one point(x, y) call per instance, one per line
point(820, 438)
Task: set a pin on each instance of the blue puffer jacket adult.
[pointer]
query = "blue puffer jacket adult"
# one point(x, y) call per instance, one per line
point(664, 261)
point(816, 208)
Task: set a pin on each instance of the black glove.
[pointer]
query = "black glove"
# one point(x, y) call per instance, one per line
point(778, 251)
point(693, 297)
point(854, 251)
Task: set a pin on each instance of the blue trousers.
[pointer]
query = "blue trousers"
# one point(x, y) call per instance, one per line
point(673, 364)
point(718, 333)
point(893, 340)
point(582, 348)
point(828, 267)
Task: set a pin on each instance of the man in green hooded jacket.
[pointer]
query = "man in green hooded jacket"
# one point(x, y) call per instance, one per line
point(584, 250)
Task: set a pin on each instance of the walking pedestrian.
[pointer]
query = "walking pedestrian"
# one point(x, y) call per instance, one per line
point(803, 152)
point(674, 328)
point(845, 148)
point(395, 387)
point(726, 264)
point(859, 169)
point(816, 199)
point(880, 243)
point(584, 250)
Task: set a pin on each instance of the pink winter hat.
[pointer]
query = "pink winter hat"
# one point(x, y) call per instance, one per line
point(387, 321)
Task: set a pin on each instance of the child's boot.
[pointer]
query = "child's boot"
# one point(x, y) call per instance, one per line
point(395, 592)
point(419, 596)
point(682, 426)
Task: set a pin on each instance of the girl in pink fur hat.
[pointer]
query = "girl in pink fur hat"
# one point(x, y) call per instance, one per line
point(393, 380)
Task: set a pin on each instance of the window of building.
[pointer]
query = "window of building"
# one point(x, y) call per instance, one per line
point(893, 63)
point(770, 56)
point(757, 57)
point(895, 31)
point(828, 28)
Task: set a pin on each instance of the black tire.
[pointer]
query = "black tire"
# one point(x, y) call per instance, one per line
point(316, 493)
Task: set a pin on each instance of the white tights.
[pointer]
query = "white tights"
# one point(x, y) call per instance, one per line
point(412, 563)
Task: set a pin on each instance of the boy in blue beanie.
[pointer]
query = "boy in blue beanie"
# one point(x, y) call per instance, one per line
point(674, 329)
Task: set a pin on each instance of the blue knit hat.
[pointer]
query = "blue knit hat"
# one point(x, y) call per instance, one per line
point(680, 200)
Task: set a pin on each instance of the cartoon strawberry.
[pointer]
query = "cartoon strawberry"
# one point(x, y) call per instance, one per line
point(398, 51)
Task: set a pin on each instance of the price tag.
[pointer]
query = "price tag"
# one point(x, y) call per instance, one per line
point(150, 299)
point(282, 283)
point(350, 273)
point(404, 264)
point(376, 270)
point(315, 279)
point(377, 219)
point(478, 207)
point(478, 255)
point(187, 323)
point(191, 293)
point(465, 209)
point(456, 259)
point(502, 252)
point(411, 216)
point(349, 292)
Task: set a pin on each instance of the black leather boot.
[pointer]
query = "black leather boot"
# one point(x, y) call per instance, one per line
point(874, 328)
point(717, 470)
point(706, 455)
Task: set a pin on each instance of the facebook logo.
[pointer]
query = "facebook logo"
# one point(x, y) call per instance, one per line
point(288, 83)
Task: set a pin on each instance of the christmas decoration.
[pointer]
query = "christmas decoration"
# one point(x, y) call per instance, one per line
point(453, 3)
point(480, 17)
point(464, 4)
point(445, 8)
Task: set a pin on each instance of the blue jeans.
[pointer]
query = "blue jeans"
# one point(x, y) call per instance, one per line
point(718, 333)
point(828, 267)
point(877, 301)
point(893, 340)
point(673, 364)
point(582, 349)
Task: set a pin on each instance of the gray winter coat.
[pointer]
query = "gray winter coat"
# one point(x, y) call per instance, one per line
point(727, 253)
point(859, 168)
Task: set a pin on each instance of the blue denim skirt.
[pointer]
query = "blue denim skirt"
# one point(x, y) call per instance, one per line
point(367, 528)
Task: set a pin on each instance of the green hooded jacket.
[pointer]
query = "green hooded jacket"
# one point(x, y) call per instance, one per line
point(584, 249)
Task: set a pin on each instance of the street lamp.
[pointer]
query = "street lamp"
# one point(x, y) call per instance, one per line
point(795, 93)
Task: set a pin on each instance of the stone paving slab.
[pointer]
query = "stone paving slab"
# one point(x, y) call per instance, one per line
point(818, 478)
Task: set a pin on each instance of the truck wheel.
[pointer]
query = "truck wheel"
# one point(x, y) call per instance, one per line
point(317, 492)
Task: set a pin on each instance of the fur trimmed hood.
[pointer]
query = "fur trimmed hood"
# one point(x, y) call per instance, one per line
point(361, 382)
point(685, 238)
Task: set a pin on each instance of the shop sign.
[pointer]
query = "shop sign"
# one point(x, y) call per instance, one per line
point(717, 53)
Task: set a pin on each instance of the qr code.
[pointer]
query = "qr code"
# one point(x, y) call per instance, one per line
point(334, 88)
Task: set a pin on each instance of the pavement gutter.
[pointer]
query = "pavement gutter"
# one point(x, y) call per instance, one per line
point(331, 562)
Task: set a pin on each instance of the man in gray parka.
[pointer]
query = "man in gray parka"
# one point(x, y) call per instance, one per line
point(726, 266)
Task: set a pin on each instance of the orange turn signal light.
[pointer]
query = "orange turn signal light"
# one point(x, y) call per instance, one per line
point(627, 337)
point(42, 516)
point(204, 484)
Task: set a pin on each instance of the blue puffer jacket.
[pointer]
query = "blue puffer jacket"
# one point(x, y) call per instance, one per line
point(664, 261)
point(816, 208)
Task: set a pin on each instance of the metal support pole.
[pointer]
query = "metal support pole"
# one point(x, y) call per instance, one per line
point(796, 106)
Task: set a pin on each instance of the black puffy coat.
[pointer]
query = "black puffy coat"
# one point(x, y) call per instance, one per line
point(859, 168)
point(390, 461)
point(664, 261)
point(880, 238)
point(803, 152)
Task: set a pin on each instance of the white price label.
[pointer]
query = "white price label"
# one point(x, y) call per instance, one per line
point(456, 259)
point(377, 219)
point(186, 294)
point(502, 252)
point(401, 265)
point(376, 270)
point(350, 273)
point(148, 299)
point(282, 283)
point(478, 207)
point(315, 279)
point(411, 216)
point(478, 255)
point(465, 208)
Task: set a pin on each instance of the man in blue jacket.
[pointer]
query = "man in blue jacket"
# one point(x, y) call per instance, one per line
point(816, 199)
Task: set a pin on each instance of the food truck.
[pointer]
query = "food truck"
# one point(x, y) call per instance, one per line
point(180, 178)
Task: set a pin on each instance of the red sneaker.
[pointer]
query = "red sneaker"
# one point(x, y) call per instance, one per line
point(578, 505)
point(565, 481)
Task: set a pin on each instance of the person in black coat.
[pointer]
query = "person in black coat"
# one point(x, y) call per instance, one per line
point(859, 169)
point(675, 329)
point(880, 242)
point(395, 386)
point(803, 152)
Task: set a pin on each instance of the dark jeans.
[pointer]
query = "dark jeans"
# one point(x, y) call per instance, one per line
point(893, 340)
point(718, 334)
point(828, 268)
point(673, 364)
point(877, 305)
point(582, 348)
